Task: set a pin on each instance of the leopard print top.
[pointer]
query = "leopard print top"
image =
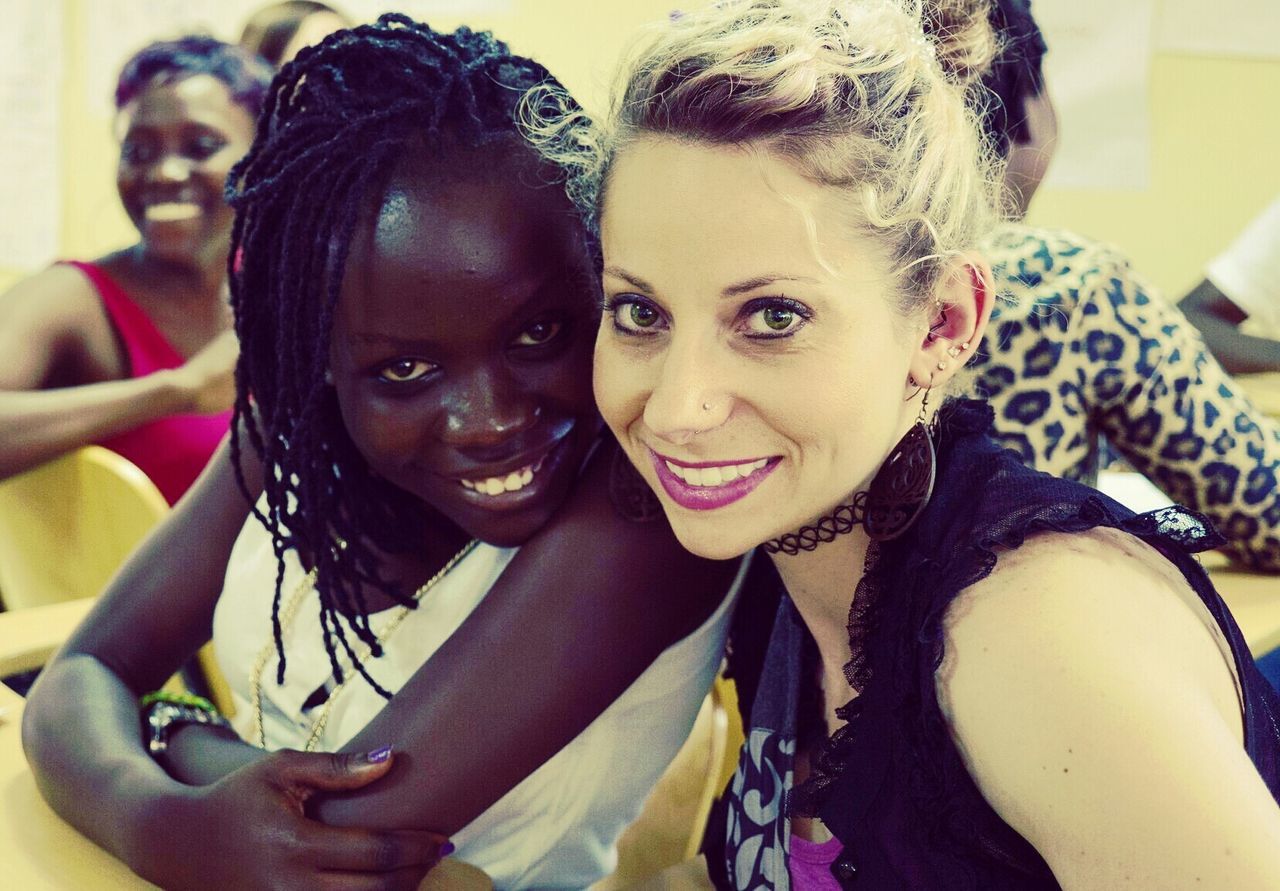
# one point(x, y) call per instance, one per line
point(1082, 350)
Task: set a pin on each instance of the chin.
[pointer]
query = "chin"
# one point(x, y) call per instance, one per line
point(710, 544)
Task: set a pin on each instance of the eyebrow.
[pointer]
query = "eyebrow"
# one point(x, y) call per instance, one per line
point(734, 290)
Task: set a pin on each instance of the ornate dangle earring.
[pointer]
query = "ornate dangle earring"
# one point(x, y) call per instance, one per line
point(902, 487)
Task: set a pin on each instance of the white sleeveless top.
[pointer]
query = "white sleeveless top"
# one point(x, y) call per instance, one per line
point(559, 826)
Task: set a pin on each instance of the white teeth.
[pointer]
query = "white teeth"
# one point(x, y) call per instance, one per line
point(712, 477)
point(172, 210)
point(497, 485)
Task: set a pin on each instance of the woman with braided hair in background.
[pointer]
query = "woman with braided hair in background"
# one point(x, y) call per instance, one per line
point(976, 676)
point(437, 559)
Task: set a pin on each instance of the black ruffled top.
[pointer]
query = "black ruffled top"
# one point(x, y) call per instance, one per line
point(891, 784)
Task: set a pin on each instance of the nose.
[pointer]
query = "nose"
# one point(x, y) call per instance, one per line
point(484, 410)
point(171, 168)
point(690, 395)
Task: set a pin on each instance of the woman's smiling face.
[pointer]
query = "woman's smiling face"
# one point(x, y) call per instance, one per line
point(461, 345)
point(752, 359)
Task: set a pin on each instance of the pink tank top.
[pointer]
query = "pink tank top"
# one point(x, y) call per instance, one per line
point(811, 864)
point(172, 450)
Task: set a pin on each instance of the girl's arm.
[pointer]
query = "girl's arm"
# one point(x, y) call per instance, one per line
point(57, 341)
point(1114, 744)
point(589, 603)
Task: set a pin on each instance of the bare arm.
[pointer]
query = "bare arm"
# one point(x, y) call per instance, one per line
point(1219, 319)
point(57, 386)
point(590, 602)
point(1115, 743)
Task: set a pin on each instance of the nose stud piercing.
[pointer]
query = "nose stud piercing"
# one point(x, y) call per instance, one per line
point(706, 406)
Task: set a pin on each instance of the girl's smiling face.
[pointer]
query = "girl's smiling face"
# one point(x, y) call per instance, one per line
point(752, 359)
point(461, 345)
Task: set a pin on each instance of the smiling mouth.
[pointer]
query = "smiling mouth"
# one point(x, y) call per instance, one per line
point(512, 482)
point(171, 211)
point(717, 475)
point(710, 486)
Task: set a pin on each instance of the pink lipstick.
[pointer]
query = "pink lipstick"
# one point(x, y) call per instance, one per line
point(710, 485)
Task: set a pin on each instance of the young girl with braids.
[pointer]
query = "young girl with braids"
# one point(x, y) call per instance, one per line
point(972, 675)
point(416, 299)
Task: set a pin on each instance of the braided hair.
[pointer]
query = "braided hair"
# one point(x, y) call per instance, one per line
point(336, 121)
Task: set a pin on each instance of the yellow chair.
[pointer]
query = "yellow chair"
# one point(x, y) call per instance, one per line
point(67, 525)
point(65, 528)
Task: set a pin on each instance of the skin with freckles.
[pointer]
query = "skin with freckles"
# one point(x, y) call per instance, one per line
point(716, 294)
point(461, 357)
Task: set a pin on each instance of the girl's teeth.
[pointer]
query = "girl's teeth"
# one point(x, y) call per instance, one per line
point(172, 210)
point(512, 482)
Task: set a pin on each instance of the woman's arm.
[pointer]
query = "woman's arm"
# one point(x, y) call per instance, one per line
point(55, 388)
point(1115, 743)
point(589, 602)
point(1166, 404)
point(82, 734)
point(579, 614)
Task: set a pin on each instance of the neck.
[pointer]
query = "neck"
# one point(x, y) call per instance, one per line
point(199, 281)
point(821, 584)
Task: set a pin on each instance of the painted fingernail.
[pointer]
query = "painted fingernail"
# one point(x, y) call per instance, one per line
point(446, 849)
point(377, 756)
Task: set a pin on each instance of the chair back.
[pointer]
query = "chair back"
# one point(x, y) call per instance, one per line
point(67, 525)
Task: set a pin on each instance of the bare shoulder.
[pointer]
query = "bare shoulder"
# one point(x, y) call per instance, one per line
point(1100, 602)
point(52, 318)
point(1081, 679)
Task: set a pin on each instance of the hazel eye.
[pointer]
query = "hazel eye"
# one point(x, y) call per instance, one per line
point(642, 316)
point(773, 318)
point(539, 333)
point(403, 371)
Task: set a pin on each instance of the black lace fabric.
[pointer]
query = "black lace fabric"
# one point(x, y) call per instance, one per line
point(890, 782)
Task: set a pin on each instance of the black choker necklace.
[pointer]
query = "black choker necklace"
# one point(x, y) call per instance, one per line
point(896, 496)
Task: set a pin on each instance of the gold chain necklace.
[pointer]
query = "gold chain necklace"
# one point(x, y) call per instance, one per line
point(286, 620)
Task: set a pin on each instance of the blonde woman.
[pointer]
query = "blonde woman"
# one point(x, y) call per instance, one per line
point(976, 676)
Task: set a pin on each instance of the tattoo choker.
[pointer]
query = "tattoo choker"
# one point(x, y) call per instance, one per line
point(897, 495)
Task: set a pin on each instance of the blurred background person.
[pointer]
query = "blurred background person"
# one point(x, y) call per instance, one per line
point(276, 32)
point(133, 350)
point(1237, 305)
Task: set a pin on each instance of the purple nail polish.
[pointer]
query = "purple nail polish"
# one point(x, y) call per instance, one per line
point(377, 756)
point(446, 849)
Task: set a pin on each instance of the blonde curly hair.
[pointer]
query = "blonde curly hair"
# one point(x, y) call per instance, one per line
point(873, 97)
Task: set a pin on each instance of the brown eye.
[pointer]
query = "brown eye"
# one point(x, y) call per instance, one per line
point(539, 333)
point(405, 370)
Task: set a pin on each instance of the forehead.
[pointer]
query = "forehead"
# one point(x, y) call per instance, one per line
point(201, 99)
point(724, 211)
point(461, 240)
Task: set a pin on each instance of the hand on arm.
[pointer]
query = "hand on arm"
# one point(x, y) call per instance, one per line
point(1115, 743)
point(82, 734)
point(579, 614)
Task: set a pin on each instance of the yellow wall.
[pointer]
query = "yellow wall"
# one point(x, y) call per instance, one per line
point(1214, 128)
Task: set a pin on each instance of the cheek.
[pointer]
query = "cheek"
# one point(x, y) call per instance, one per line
point(386, 433)
point(619, 385)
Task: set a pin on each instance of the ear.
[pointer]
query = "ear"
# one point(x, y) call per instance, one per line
point(957, 319)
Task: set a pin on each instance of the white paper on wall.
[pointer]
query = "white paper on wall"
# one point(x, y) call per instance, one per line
point(1248, 28)
point(1097, 71)
point(31, 66)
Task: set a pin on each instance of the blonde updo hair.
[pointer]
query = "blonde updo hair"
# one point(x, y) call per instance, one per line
point(851, 92)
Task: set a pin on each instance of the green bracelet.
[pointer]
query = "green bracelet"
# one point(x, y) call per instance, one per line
point(163, 711)
point(188, 699)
